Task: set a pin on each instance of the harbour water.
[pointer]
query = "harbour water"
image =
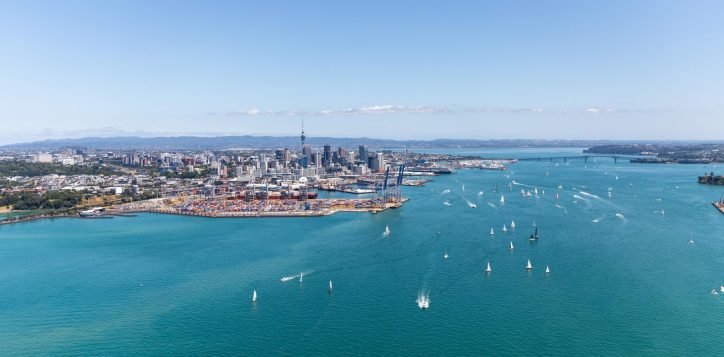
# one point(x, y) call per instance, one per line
point(170, 285)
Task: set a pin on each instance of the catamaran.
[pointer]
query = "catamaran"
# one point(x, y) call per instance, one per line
point(529, 266)
point(487, 268)
point(253, 296)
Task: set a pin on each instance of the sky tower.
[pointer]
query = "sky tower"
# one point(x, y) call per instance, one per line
point(303, 136)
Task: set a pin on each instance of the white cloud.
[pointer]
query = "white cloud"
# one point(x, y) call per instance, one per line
point(374, 109)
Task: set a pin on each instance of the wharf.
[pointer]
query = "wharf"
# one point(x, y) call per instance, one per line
point(719, 206)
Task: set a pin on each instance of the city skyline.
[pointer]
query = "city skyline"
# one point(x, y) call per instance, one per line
point(529, 70)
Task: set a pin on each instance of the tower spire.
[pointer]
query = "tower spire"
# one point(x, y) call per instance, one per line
point(303, 136)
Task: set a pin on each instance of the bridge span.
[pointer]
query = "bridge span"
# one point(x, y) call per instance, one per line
point(579, 157)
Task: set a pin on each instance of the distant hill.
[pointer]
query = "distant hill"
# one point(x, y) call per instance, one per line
point(272, 142)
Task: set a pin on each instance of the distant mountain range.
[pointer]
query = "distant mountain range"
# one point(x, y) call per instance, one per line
point(274, 142)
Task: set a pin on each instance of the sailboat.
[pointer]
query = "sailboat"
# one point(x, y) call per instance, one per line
point(512, 224)
point(253, 296)
point(487, 268)
point(492, 233)
point(502, 200)
point(560, 187)
point(522, 192)
point(609, 194)
point(387, 231)
point(446, 256)
point(330, 287)
point(505, 229)
point(301, 277)
point(533, 225)
point(556, 199)
point(535, 191)
point(534, 236)
point(662, 211)
point(529, 266)
point(511, 246)
point(691, 239)
point(548, 270)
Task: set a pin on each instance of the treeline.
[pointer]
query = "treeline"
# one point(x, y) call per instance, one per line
point(35, 201)
point(22, 168)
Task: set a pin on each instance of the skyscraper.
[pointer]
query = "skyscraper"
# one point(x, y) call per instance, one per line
point(363, 153)
point(327, 156)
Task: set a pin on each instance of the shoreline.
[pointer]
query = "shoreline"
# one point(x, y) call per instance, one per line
point(110, 213)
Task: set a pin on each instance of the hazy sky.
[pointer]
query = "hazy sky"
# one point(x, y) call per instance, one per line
point(404, 69)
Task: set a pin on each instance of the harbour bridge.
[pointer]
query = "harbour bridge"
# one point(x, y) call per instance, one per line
point(579, 157)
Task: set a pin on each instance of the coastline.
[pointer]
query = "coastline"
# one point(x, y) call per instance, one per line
point(121, 212)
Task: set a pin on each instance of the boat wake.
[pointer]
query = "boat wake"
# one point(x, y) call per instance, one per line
point(588, 194)
point(492, 205)
point(445, 192)
point(446, 203)
point(423, 299)
point(297, 276)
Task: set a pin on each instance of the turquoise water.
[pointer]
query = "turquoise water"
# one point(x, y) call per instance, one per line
point(167, 285)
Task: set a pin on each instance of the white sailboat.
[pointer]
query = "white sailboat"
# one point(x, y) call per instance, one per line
point(387, 231)
point(662, 211)
point(548, 270)
point(330, 286)
point(511, 246)
point(560, 187)
point(446, 256)
point(529, 266)
point(505, 229)
point(487, 268)
point(502, 200)
point(691, 239)
point(512, 224)
point(253, 296)
point(492, 233)
point(301, 277)
point(522, 192)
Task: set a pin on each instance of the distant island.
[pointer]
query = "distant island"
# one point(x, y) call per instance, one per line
point(693, 153)
point(711, 179)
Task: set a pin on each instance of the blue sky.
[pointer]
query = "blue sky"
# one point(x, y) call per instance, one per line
point(405, 69)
